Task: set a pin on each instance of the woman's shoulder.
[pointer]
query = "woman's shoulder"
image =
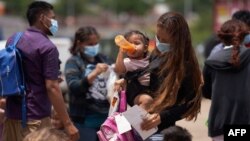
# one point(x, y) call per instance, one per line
point(74, 58)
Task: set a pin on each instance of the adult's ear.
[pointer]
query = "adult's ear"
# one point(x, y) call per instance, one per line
point(41, 17)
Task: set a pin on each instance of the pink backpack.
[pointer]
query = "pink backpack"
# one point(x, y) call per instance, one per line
point(109, 131)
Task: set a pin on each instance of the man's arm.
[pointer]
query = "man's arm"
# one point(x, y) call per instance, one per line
point(56, 98)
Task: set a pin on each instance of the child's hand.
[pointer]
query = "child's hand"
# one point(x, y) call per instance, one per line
point(119, 84)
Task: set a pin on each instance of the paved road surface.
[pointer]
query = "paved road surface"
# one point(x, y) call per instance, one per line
point(198, 128)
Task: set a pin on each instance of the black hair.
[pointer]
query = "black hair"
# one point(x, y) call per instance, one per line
point(35, 9)
point(177, 133)
point(82, 35)
point(242, 15)
point(144, 38)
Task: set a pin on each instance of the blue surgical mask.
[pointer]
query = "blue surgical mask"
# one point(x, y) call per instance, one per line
point(162, 47)
point(246, 39)
point(54, 26)
point(91, 51)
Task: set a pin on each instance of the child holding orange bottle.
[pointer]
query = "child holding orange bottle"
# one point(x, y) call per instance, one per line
point(135, 46)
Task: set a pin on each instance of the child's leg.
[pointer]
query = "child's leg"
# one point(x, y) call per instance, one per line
point(143, 100)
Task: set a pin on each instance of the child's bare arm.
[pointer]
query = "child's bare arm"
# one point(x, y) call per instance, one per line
point(119, 64)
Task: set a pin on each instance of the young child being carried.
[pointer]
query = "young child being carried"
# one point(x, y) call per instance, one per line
point(133, 66)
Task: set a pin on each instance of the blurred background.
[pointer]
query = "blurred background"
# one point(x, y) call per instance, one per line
point(112, 17)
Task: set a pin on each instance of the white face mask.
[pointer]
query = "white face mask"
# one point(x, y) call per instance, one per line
point(162, 47)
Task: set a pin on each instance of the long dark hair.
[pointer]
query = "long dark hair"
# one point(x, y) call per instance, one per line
point(181, 58)
point(233, 32)
point(82, 35)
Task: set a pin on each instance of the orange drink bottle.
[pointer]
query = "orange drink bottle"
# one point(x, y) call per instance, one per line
point(124, 44)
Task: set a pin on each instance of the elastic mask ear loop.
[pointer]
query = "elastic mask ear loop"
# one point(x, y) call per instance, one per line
point(43, 21)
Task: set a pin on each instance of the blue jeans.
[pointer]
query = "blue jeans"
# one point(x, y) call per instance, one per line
point(87, 133)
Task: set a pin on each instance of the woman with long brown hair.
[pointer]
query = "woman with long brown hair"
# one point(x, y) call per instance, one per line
point(226, 75)
point(175, 75)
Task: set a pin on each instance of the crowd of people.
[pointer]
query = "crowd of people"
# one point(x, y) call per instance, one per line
point(167, 82)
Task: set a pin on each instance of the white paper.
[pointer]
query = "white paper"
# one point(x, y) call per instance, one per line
point(135, 117)
point(122, 124)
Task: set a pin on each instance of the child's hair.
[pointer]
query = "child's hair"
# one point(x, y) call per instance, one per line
point(47, 134)
point(144, 38)
point(233, 32)
point(82, 35)
point(177, 133)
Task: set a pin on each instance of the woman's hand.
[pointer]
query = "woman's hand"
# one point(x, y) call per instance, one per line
point(151, 121)
point(101, 67)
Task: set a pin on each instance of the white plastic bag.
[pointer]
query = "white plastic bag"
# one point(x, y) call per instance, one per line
point(112, 77)
point(112, 95)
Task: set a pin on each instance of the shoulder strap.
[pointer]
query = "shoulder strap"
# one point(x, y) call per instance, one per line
point(23, 87)
point(17, 37)
point(137, 73)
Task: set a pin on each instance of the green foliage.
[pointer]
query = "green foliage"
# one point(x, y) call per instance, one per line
point(70, 7)
point(17, 7)
point(201, 29)
point(136, 7)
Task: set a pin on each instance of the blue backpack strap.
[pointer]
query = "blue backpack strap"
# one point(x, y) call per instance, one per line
point(23, 87)
point(17, 37)
point(24, 111)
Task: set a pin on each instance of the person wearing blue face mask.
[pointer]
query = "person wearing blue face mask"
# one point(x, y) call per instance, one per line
point(88, 105)
point(41, 69)
point(91, 51)
point(175, 76)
